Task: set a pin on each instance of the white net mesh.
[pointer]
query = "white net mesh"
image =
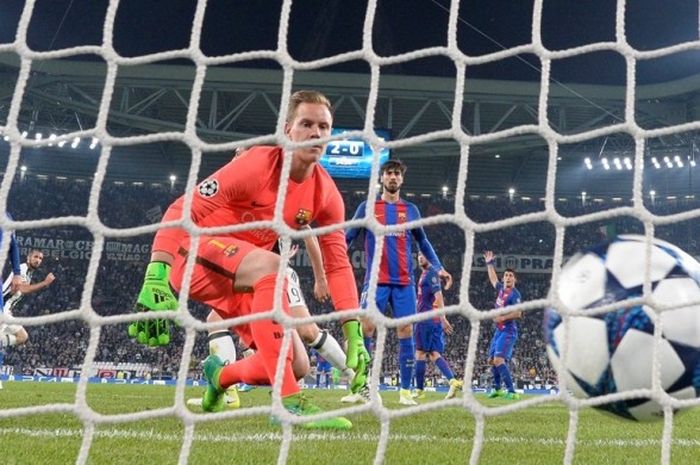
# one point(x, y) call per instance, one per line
point(190, 325)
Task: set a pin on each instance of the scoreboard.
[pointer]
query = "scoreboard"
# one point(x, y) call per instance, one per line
point(352, 157)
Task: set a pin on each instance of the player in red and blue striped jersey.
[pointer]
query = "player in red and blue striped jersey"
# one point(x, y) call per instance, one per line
point(396, 283)
point(503, 342)
point(430, 333)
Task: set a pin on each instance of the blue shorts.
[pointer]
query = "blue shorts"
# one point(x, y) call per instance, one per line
point(323, 367)
point(429, 337)
point(503, 343)
point(401, 298)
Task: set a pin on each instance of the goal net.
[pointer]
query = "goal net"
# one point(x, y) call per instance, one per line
point(469, 212)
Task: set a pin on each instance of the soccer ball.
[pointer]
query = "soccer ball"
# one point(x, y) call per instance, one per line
point(613, 352)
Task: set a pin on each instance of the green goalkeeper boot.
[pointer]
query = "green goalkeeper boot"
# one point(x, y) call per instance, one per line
point(213, 400)
point(299, 404)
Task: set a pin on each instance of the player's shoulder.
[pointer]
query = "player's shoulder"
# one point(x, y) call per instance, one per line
point(259, 158)
point(433, 275)
point(257, 152)
point(411, 208)
point(326, 183)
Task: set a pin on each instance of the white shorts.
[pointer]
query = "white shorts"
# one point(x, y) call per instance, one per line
point(9, 329)
point(294, 295)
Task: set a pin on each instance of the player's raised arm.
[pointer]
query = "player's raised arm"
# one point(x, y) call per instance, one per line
point(490, 267)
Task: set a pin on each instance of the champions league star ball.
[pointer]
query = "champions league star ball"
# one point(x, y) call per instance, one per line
point(613, 352)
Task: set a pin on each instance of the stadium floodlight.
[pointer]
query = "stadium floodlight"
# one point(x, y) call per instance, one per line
point(6, 138)
point(511, 191)
point(618, 164)
point(23, 168)
point(589, 165)
point(24, 134)
point(497, 155)
point(75, 143)
point(173, 178)
point(656, 163)
point(606, 165)
point(62, 143)
point(692, 163)
point(52, 138)
point(628, 163)
point(94, 142)
point(38, 136)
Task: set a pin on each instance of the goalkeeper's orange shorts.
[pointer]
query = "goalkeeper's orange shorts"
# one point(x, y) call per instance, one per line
point(213, 277)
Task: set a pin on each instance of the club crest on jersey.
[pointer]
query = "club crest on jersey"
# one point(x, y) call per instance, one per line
point(227, 249)
point(208, 188)
point(402, 216)
point(303, 217)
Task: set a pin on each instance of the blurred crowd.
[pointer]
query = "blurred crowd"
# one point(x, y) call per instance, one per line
point(118, 280)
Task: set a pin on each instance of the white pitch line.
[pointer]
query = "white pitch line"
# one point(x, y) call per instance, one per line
point(152, 435)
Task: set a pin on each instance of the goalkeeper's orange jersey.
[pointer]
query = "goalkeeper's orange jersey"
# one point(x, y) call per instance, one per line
point(245, 190)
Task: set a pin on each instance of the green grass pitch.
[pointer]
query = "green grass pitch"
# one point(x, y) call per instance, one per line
point(534, 435)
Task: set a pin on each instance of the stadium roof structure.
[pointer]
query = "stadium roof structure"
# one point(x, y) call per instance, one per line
point(63, 96)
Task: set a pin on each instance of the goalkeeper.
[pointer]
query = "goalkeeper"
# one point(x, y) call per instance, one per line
point(245, 190)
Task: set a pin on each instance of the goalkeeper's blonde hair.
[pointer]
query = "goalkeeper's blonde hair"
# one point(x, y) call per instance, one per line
point(306, 96)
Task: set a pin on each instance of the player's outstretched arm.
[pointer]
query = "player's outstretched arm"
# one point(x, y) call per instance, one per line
point(155, 295)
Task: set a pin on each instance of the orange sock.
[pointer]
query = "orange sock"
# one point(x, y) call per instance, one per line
point(250, 370)
point(267, 335)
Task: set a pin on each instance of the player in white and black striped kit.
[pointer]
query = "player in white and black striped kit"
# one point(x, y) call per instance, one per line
point(15, 334)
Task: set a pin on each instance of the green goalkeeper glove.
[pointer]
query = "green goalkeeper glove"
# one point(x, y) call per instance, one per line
point(155, 296)
point(357, 358)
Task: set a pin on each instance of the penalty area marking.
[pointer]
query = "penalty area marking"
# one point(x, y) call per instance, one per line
point(344, 437)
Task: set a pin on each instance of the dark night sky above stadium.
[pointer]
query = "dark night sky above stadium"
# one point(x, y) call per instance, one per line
point(322, 28)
